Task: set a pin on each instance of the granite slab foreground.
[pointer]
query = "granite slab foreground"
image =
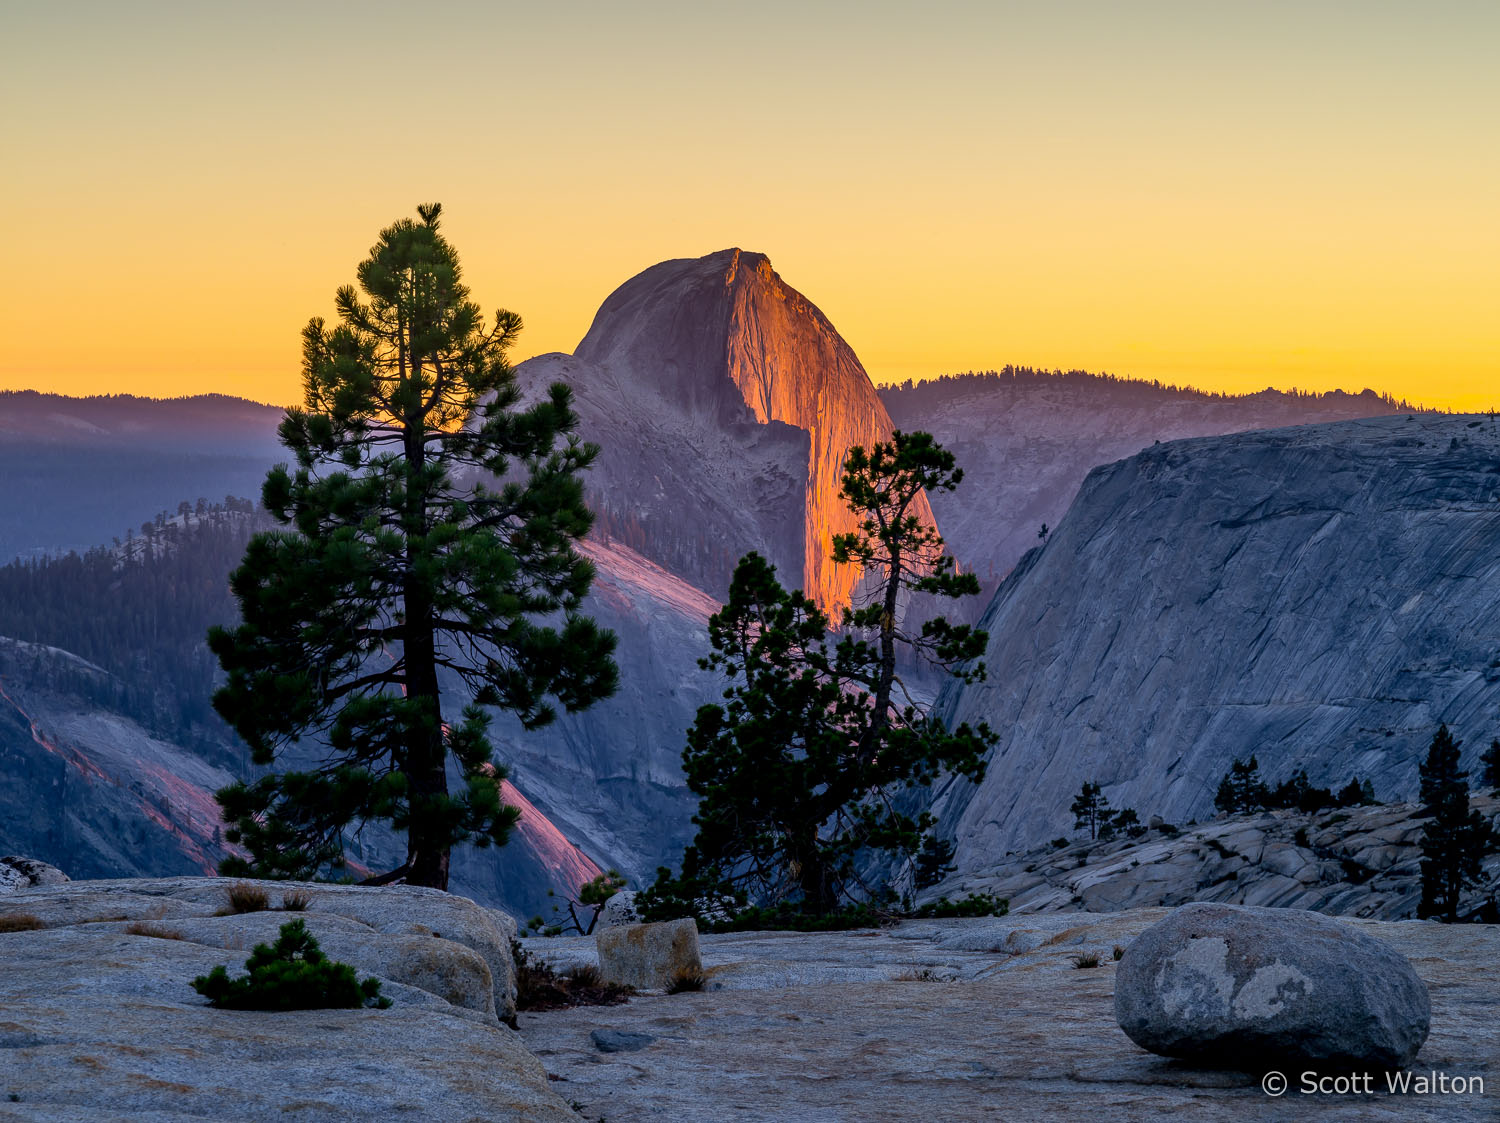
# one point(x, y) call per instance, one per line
point(98, 1023)
point(970, 1019)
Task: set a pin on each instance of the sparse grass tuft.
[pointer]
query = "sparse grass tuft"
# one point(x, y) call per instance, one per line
point(157, 931)
point(539, 987)
point(1118, 952)
point(295, 902)
point(686, 980)
point(245, 898)
point(1085, 959)
point(918, 975)
point(584, 975)
point(20, 922)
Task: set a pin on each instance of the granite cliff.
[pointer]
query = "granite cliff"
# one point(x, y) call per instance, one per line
point(724, 403)
point(1321, 597)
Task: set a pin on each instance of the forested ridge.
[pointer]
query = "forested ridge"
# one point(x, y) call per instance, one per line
point(928, 392)
point(138, 609)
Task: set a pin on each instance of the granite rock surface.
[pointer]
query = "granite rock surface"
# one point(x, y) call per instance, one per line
point(101, 1024)
point(1354, 861)
point(970, 1019)
point(1270, 988)
point(432, 940)
point(1320, 597)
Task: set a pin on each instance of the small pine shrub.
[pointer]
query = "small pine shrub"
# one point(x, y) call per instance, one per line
point(975, 904)
point(292, 974)
point(790, 918)
point(20, 922)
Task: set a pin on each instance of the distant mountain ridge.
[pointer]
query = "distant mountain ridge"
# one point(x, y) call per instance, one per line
point(199, 423)
point(77, 471)
point(1026, 439)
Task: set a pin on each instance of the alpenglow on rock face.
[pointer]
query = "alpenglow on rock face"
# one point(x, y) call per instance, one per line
point(1319, 597)
point(1250, 987)
point(724, 403)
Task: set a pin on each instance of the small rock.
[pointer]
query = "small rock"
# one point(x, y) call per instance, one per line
point(648, 956)
point(1249, 986)
point(619, 1040)
point(619, 911)
point(17, 873)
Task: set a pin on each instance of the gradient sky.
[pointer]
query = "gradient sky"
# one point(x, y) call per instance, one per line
point(1233, 195)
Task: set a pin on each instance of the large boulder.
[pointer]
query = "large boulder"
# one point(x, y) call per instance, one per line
point(17, 873)
point(1246, 987)
point(619, 911)
point(649, 956)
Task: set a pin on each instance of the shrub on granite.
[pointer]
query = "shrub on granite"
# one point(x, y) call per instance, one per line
point(540, 987)
point(975, 904)
point(246, 898)
point(686, 981)
point(291, 974)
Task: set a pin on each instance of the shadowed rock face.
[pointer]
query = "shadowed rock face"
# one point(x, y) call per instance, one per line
point(1320, 597)
point(724, 403)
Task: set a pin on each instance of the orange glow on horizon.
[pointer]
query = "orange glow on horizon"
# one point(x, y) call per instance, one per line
point(1272, 196)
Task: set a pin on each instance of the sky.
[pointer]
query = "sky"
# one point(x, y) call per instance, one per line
point(1229, 195)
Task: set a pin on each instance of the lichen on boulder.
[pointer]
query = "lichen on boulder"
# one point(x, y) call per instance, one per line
point(1244, 987)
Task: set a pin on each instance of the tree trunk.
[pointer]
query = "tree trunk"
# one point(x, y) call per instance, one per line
point(427, 838)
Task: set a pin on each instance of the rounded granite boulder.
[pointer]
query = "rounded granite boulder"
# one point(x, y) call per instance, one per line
point(1244, 987)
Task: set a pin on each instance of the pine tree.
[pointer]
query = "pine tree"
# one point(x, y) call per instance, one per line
point(1455, 839)
point(1090, 809)
point(1490, 776)
point(399, 564)
point(799, 771)
point(934, 862)
point(1241, 789)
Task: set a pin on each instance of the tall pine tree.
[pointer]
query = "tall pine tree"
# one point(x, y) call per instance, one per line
point(399, 564)
point(1091, 809)
point(1455, 839)
point(799, 772)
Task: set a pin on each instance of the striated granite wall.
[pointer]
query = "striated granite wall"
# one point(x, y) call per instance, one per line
point(1321, 597)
